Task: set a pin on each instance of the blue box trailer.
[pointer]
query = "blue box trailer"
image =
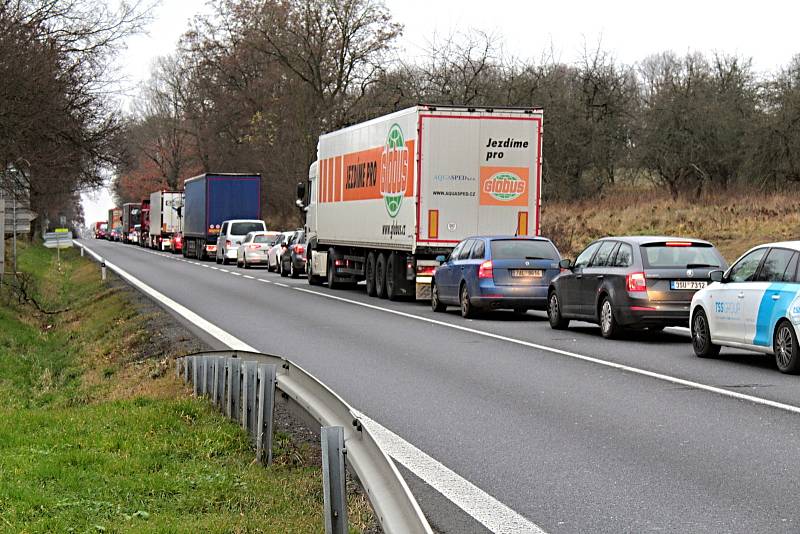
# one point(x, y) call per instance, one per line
point(212, 198)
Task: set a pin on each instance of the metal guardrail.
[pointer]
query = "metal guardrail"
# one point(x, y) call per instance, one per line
point(317, 405)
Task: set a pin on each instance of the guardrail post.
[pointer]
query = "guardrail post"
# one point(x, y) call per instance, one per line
point(233, 393)
point(82, 249)
point(333, 479)
point(266, 407)
point(187, 365)
point(197, 375)
point(206, 378)
point(177, 365)
point(222, 368)
point(248, 394)
point(103, 269)
point(215, 389)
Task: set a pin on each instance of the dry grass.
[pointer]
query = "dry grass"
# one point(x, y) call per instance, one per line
point(734, 222)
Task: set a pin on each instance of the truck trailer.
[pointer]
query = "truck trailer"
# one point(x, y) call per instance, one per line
point(211, 199)
point(389, 196)
point(131, 216)
point(114, 224)
point(144, 217)
point(166, 218)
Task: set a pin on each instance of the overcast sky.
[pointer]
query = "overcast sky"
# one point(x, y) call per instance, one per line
point(631, 30)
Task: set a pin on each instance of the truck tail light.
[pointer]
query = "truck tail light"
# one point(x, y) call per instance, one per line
point(299, 249)
point(635, 282)
point(227, 242)
point(486, 270)
point(425, 270)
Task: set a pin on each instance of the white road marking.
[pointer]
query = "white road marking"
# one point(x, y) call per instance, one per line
point(621, 367)
point(249, 277)
point(265, 281)
point(215, 268)
point(484, 508)
point(206, 266)
point(236, 274)
point(223, 336)
point(224, 270)
point(279, 284)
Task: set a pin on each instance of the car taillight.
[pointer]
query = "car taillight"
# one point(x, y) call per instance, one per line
point(299, 249)
point(678, 244)
point(227, 242)
point(636, 282)
point(254, 247)
point(486, 270)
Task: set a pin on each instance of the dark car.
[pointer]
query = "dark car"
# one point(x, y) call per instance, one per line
point(489, 273)
point(632, 282)
point(293, 258)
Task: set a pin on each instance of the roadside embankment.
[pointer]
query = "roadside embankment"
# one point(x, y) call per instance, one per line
point(98, 435)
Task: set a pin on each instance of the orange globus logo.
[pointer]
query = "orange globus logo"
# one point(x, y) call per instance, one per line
point(394, 170)
point(504, 186)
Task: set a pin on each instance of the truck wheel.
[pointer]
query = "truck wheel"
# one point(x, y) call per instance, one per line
point(331, 278)
point(370, 274)
point(380, 276)
point(313, 279)
point(391, 277)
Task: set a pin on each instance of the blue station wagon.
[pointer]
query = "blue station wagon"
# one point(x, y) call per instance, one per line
point(500, 272)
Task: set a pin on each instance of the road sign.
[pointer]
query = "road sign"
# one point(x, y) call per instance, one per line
point(62, 230)
point(58, 239)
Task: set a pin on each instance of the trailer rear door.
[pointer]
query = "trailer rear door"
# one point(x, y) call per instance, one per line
point(479, 174)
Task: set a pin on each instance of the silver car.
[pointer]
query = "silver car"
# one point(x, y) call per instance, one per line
point(254, 249)
point(276, 251)
point(231, 235)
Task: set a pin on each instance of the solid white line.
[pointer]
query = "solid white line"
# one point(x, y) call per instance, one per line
point(224, 337)
point(477, 503)
point(598, 361)
point(484, 508)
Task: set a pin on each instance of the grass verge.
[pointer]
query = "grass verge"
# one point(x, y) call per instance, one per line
point(98, 436)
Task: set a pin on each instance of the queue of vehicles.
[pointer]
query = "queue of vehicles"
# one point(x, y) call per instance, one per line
point(442, 204)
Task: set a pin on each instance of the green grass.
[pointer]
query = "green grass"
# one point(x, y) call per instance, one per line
point(96, 439)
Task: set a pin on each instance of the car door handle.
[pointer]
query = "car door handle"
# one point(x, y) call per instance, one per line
point(741, 295)
point(578, 276)
point(776, 297)
point(600, 276)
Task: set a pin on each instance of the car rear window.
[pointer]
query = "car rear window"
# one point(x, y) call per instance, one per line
point(244, 228)
point(515, 249)
point(263, 239)
point(673, 255)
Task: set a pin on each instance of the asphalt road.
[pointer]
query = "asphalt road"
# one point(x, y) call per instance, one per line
point(572, 445)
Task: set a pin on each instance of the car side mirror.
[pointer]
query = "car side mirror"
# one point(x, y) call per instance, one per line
point(441, 258)
point(566, 263)
point(717, 276)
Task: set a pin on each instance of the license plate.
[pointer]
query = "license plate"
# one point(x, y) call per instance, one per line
point(687, 284)
point(526, 273)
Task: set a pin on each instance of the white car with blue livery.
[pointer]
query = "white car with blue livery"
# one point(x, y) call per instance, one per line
point(754, 305)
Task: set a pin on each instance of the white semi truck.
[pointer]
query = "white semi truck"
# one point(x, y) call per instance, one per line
point(389, 196)
point(165, 218)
